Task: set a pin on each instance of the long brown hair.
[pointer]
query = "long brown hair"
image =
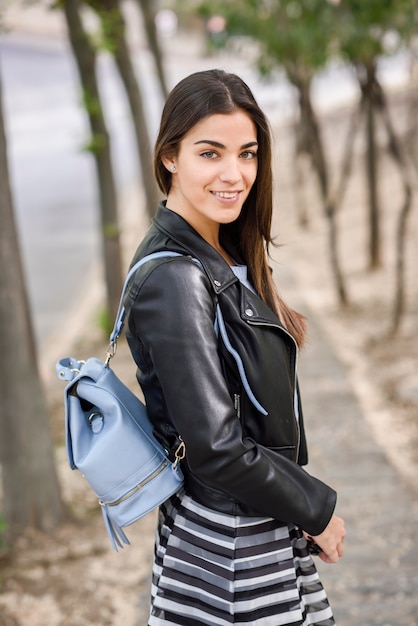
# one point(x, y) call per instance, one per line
point(216, 92)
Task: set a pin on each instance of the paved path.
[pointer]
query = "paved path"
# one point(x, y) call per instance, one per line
point(376, 583)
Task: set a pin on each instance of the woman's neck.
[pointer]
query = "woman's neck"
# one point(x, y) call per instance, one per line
point(209, 231)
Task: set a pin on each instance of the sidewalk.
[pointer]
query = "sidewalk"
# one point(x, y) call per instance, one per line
point(375, 583)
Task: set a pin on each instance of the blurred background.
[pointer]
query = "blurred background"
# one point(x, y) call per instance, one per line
point(82, 86)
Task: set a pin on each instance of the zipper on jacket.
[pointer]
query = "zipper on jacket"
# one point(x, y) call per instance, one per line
point(254, 323)
point(137, 487)
point(237, 405)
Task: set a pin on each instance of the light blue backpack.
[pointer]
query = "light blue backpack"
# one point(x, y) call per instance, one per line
point(109, 437)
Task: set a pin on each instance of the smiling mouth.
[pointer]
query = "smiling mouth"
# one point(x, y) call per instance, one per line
point(227, 195)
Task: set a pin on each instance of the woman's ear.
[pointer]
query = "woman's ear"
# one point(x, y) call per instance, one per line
point(169, 164)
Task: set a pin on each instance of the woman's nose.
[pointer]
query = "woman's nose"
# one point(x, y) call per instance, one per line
point(230, 171)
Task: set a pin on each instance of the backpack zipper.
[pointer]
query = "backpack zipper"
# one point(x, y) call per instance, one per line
point(137, 487)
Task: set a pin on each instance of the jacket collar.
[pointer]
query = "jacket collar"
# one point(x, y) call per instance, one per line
point(219, 272)
point(180, 231)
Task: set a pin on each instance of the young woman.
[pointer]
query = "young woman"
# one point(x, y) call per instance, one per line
point(233, 546)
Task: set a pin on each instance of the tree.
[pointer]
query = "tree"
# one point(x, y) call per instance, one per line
point(85, 56)
point(30, 485)
point(295, 36)
point(363, 31)
point(148, 14)
point(114, 36)
point(301, 37)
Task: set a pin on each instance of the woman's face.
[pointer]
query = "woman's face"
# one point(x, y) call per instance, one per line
point(216, 166)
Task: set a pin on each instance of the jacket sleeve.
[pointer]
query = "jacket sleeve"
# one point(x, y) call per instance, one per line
point(173, 315)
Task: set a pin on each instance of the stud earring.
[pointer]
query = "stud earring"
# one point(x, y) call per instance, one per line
point(172, 168)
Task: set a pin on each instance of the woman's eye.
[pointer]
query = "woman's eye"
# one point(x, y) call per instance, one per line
point(249, 154)
point(209, 154)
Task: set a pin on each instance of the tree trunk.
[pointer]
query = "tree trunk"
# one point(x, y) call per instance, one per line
point(30, 483)
point(399, 299)
point(315, 148)
point(100, 146)
point(396, 153)
point(300, 163)
point(113, 26)
point(411, 140)
point(368, 84)
point(148, 14)
point(312, 136)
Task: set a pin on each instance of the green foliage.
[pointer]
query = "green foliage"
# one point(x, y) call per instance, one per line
point(290, 33)
point(367, 30)
point(111, 231)
point(93, 107)
point(97, 144)
point(113, 30)
point(105, 321)
point(112, 26)
point(303, 35)
point(4, 545)
point(91, 104)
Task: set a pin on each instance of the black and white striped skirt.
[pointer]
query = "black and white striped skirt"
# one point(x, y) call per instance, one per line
point(213, 569)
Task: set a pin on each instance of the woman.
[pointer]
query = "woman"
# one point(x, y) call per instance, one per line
point(233, 545)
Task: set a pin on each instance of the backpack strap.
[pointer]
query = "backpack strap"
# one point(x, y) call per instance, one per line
point(219, 324)
point(121, 313)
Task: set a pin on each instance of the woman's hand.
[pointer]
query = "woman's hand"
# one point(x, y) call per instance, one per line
point(331, 540)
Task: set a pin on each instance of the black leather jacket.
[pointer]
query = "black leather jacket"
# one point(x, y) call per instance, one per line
point(238, 461)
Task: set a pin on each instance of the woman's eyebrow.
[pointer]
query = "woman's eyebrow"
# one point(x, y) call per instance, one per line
point(216, 144)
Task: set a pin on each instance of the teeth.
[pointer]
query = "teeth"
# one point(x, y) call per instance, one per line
point(226, 194)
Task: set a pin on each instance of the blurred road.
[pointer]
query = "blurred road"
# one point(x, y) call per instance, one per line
point(53, 179)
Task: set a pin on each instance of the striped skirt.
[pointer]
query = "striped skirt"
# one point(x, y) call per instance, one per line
point(213, 569)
